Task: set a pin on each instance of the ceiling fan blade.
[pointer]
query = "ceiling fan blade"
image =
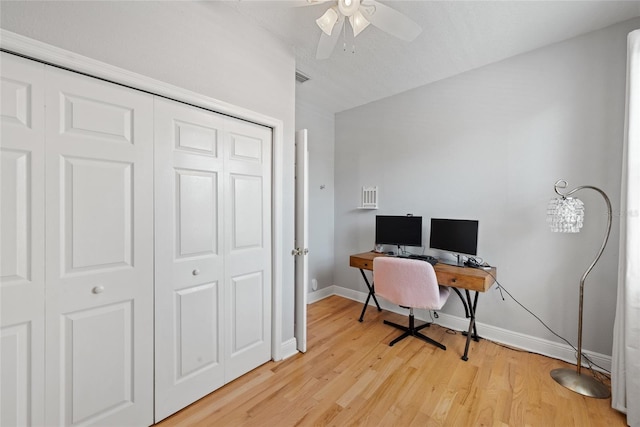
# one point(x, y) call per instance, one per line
point(305, 3)
point(390, 20)
point(328, 43)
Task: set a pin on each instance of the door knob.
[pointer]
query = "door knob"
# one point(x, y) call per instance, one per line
point(195, 272)
point(98, 289)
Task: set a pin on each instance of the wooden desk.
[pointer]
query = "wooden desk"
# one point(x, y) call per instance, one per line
point(458, 278)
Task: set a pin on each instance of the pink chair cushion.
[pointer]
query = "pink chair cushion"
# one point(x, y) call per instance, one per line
point(408, 282)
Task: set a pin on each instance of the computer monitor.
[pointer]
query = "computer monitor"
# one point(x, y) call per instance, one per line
point(398, 230)
point(459, 236)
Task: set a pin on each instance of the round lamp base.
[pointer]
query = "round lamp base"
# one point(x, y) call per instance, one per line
point(582, 384)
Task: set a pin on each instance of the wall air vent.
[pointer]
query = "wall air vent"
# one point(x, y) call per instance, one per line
point(301, 78)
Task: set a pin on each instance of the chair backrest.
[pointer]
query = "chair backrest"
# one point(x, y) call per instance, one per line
point(408, 282)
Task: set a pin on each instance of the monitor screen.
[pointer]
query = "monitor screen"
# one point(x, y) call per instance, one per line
point(399, 230)
point(454, 235)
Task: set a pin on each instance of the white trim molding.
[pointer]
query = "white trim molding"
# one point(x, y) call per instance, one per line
point(289, 348)
point(320, 294)
point(43, 52)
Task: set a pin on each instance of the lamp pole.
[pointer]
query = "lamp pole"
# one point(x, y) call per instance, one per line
point(587, 386)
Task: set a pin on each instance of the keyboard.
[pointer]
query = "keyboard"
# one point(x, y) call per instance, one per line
point(430, 259)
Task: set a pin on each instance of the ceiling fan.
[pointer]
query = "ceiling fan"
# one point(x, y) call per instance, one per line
point(360, 13)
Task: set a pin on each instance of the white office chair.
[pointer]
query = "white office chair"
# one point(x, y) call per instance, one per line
point(411, 284)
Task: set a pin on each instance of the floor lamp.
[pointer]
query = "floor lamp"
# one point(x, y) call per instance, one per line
point(565, 215)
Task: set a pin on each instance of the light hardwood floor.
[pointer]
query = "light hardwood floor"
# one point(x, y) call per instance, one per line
point(350, 376)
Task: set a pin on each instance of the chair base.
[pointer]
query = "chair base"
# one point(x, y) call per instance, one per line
point(413, 331)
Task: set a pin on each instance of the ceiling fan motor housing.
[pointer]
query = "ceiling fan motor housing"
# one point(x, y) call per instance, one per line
point(348, 7)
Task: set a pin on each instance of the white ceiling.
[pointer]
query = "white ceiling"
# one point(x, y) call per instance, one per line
point(457, 36)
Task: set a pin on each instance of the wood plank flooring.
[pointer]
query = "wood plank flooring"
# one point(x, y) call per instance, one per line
point(350, 376)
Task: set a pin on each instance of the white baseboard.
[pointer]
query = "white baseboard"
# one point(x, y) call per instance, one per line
point(320, 294)
point(525, 342)
point(493, 333)
point(289, 348)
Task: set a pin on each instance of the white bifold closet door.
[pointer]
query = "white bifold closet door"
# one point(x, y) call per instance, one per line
point(213, 252)
point(77, 262)
point(99, 252)
point(22, 326)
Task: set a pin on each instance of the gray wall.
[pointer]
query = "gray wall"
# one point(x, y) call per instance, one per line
point(321, 142)
point(489, 145)
point(204, 47)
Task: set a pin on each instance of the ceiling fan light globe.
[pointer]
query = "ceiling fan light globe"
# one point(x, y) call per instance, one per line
point(358, 23)
point(348, 7)
point(327, 21)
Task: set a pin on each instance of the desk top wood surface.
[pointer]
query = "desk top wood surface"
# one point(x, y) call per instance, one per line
point(473, 279)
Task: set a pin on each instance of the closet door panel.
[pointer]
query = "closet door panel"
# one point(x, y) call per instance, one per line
point(106, 363)
point(22, 325)
point(189, 262)
point(247, 247)
point(96, 206)
point(99, 292)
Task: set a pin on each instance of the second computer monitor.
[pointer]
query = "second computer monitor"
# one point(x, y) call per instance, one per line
point(459, 236)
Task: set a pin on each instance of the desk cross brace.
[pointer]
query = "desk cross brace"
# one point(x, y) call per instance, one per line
point(472, 333)
point(469, 313)
point(372, 294)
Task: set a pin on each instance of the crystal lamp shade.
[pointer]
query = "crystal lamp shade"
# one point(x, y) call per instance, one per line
point(565, 215)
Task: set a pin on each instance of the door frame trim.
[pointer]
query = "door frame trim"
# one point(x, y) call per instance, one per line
point(58, 57)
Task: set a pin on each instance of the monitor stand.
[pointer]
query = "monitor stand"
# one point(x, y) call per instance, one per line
point(458, 263)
